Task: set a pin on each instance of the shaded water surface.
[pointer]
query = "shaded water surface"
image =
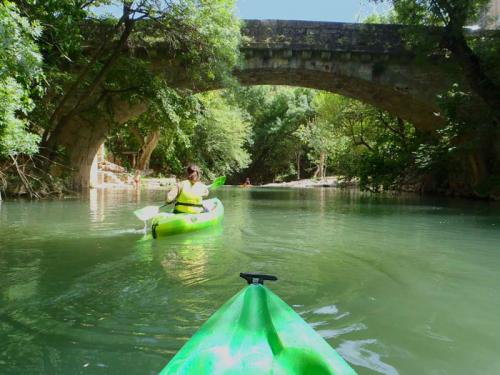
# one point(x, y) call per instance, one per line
point(398, 285)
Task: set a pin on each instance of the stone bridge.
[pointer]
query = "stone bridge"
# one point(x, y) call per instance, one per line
point(368, 62)
point(363, 61)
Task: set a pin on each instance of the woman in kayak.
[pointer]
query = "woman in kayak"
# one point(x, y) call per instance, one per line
point(189, 193)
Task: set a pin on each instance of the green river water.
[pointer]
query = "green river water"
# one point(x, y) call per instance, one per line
point(397, 285)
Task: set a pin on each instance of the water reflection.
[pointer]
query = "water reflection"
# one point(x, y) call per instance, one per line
point(187, 266)
point(96, 205)
point(358, 353)
point(186, 258)
point(45, 308)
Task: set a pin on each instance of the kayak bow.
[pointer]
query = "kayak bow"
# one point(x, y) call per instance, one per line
point(255, 332)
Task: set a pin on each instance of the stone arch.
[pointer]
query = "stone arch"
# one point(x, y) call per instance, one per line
point(368, 62)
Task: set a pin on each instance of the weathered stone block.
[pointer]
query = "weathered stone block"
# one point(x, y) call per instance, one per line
point(306, 54)
point(346, 56)
point(365, 57)
point(326, 55)
point(378, 68)
point(267, 54)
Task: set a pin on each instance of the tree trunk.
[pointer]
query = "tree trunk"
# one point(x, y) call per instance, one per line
point(147, 149)
point(83, 97)
point(473, 69)
point(81, 76)
point(322, 164)
point(316, 172)
point(298, 154)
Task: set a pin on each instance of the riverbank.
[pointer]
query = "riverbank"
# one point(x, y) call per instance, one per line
point(163, 183)
point(149, 183)
point(331, 181)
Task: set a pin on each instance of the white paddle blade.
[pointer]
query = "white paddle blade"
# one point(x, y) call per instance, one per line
point(147, 213)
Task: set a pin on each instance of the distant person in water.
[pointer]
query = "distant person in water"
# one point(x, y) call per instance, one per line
point(137, 179)
point(188, 194)
point(247, 182)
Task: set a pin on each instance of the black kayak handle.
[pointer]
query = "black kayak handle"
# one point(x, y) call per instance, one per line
point(255, 278)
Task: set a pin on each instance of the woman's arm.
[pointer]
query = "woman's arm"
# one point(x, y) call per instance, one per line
point(173, 194)
point(204, 191)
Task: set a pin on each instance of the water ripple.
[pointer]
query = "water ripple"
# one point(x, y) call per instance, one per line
point(357, 353)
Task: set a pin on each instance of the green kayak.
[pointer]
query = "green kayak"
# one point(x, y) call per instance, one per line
point(165, 224)
point(255, 332)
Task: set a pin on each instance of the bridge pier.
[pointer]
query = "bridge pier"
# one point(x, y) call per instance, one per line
point(81, 138)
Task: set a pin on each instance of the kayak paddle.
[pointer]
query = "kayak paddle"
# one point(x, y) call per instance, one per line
point(148, 212)
point(219, 181)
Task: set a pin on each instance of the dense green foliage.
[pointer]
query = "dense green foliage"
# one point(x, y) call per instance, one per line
point(437, 12)
point(219, 136)
point(169, 114)
point(202, 37)
point(365, 142)
point(95, 82)
point(280, 133)
point(275, 114)
point(203, 129)
point(19, 70)
point(299, 132)
point(462, 157)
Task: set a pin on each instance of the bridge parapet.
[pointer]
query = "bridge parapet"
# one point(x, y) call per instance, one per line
point(326, 36)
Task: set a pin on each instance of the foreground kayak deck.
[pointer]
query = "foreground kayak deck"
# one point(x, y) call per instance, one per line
point(165, 224)
point(255, 332)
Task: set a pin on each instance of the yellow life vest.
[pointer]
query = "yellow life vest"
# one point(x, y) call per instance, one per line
point(189, 199)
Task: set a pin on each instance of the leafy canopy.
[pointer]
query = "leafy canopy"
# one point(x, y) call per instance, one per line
point(20, 69)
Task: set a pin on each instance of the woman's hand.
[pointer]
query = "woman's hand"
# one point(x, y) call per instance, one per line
point(173, 194)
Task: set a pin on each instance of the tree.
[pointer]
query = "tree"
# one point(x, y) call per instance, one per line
point(454, 16)
point(20, 70)
point(214, 138)
point(104, 84)
point(164, 116)
point(220, 135)
point(462, 156)
point(204, 129)
point(275, 114)
point(321, 133)
point(358, 140)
